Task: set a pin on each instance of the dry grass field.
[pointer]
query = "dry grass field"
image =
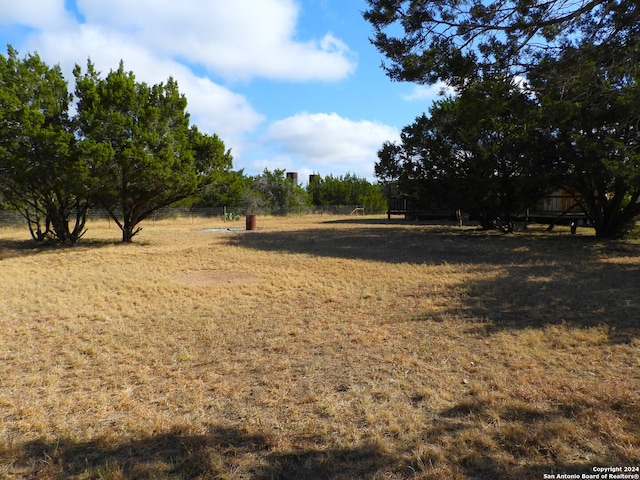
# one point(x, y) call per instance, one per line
point(318, 348)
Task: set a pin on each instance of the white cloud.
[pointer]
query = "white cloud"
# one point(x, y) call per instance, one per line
point(238, 39)
point(428, 93)
point(35, 13)
point(331, 143)
point(216, 109)
point(273, 162)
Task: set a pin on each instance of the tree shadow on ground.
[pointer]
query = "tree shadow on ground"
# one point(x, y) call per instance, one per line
point(428, 244)
point(523, 280)
point(25, 248)
point(382, 243)
point(221, 453)
point(585, 294)
point(460, 452)
point(480, 440)
point(366, 220)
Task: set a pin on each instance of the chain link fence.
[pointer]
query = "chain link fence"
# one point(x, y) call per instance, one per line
point(12, 218)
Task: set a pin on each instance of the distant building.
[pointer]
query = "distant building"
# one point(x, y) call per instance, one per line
point(293, 177)
point(560, 207)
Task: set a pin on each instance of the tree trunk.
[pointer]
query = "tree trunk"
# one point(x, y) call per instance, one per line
point(127, 230)
point(58, 215)
point(610, 219)
point(613, 226)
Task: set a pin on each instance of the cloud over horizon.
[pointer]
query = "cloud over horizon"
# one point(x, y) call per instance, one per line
point(331, 141)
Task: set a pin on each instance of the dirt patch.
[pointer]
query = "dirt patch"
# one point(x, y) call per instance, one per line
point(217, 277)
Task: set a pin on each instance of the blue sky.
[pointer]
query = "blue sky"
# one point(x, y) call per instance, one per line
point(287, 84)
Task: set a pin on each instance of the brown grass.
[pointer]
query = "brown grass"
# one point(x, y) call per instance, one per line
point(317, 348)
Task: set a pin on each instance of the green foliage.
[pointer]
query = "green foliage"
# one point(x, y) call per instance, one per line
point(129, 148)
point(593, 113)
point(231, 217)
point(272, 192)
point(347, 190)
point(144, 155)
point(460, 41)
point(212, 161)
point(228, 188)
point(474, 153)
point(579, 60)
point(41, 173)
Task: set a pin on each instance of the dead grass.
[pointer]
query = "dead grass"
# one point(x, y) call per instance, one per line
point(316, 348)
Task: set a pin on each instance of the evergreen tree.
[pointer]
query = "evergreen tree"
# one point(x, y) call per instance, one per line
point(144, 155)
point(41, 173)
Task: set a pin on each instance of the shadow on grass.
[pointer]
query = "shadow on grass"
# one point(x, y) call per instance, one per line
point(429, 244)
point(373, 220)
point(222, 453)
point(587, 293)
point(459, 452)
point(480, 440)
point(394, 244)
point(521, 281)
point(25, 248)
